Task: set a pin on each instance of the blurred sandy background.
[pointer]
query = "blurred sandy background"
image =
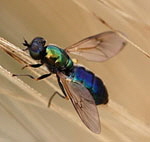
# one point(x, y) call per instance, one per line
point(127, 116)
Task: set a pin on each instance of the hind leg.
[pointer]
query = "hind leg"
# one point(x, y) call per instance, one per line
point(57, 93)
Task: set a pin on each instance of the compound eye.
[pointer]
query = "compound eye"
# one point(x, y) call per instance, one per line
point(42, 42)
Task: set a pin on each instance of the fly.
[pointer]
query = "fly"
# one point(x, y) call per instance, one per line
point(81, 86)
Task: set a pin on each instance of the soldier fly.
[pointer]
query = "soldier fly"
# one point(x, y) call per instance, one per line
point(81, 86)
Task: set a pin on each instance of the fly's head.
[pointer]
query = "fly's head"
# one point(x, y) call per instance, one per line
point(36, 48)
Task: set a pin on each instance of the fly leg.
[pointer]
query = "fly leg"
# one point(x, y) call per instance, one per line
point(63, 90)
point(32, 65)
point(51, 98)
point(38, 78)
point(61, 87)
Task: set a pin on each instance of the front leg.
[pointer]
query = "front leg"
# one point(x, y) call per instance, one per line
point(32, 65)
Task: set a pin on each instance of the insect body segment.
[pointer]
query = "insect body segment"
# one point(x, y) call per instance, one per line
point(58, 57)
point(92, 83)
point(36, 48)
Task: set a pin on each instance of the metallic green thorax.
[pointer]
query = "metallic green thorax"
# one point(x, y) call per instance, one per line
point(58, 56)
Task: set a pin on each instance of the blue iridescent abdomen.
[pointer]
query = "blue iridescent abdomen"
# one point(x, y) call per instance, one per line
point(92, 83)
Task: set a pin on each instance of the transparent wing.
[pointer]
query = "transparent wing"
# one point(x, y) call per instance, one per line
point(83, 103)
point(99, 47)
